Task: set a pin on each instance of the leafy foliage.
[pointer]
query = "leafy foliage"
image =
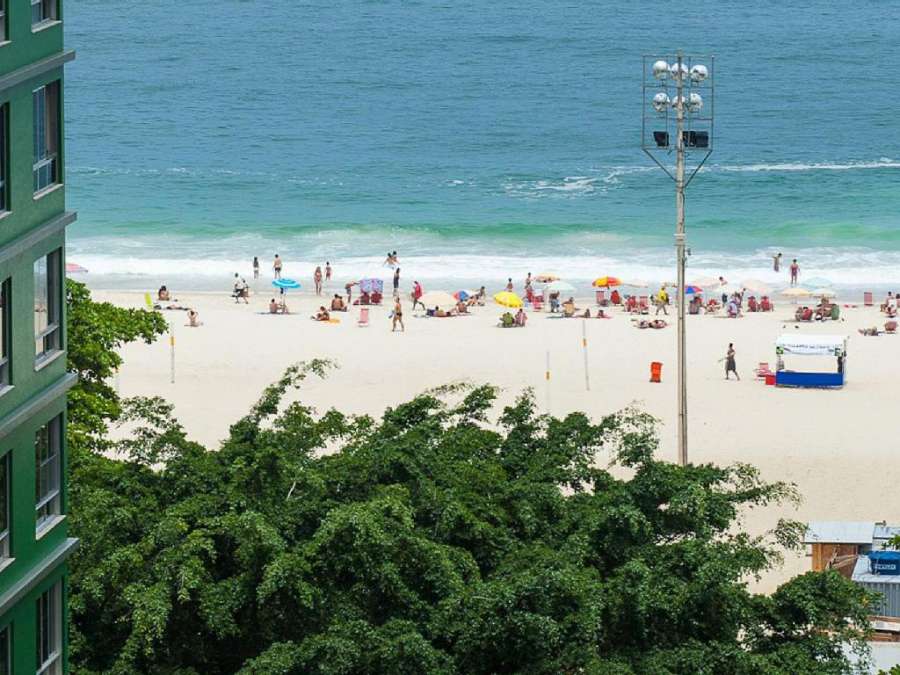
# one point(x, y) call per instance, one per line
point(434, 541)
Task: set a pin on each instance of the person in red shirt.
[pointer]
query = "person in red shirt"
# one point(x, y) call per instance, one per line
point(416, 295)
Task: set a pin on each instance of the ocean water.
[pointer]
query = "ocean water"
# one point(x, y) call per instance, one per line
point(478, 139)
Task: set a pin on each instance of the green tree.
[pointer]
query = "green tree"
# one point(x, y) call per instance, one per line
point(435, 539)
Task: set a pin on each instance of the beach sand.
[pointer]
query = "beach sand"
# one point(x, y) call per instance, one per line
point(837, 446)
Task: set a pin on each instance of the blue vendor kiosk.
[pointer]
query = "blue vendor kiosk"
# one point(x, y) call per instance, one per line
point(834, 346)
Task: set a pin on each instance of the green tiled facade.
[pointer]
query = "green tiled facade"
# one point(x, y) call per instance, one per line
point(34, 544)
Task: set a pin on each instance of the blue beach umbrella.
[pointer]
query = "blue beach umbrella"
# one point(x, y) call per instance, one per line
point(285, 284)
point(691, 290)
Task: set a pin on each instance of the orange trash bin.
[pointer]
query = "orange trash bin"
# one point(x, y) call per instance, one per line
point(656, 371)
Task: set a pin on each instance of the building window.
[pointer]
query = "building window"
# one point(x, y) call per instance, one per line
point(4, 31)
point(42, 11)
point(46, 136)
point(47, 450)
point(47, 302)
point(49, 632)
point(5, 332)
point(4, 140)
point(5, 668)
point(4, 506)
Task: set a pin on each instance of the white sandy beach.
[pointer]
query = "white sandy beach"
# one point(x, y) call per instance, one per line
point(837, 446)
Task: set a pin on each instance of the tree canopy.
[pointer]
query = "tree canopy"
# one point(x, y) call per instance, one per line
point(446, 536)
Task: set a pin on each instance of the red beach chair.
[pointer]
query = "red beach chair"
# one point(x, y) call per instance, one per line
point(601, 298)
point(363, 316)
point(644, 304)
point(867, 299)
point(763, 369)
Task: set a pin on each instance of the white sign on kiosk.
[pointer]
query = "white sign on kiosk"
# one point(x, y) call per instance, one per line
point(811, 345)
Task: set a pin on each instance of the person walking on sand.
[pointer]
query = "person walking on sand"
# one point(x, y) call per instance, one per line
point(795, 272)
point(662, 301)
point(397, 316)
point(776, 262)
point(509, 285)
point(397, 283)
point(317, 279)
point(276, 266)
point(416, 295)
point(730, 364)
point(327, 271)
point(255, 267)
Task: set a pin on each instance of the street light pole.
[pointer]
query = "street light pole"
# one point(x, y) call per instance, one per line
point(680, 254)
point(697, 137)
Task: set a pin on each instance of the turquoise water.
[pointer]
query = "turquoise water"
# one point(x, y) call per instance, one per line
point(479, 140)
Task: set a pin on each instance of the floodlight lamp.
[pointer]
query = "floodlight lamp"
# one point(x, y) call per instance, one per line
point(660, 70)
point(699, 73)
point(660, 102)
point(695, 103)
point(676, 69)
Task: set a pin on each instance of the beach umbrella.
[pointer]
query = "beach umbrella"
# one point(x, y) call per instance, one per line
point(690, 289)
point(441, 299)
point(463, 295)
point(285, 284)
point(546, 278)
point(796, 292)
point(75, 268)
point(559, 287)
point(706, 282)
point(756, 286)
point(824, 293)
point(507, 299)
point(607, 282)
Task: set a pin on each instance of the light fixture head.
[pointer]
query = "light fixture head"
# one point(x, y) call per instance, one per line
point(677, 101)
point(695, 103)
point(674, 69)
point(699, 73)
point(660, 102)
point(660, 70)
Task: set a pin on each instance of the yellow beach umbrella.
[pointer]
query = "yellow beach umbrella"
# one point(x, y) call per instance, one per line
point(508, 299)
point(607, 282)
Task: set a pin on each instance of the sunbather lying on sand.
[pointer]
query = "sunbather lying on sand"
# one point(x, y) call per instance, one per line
point(654, 323)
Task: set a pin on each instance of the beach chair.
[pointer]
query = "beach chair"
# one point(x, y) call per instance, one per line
point(363, 317)
point(601, 298)
point(890, 327)
point(867, 299)
point(537, 304)
point(763, 369)
point(644, 304)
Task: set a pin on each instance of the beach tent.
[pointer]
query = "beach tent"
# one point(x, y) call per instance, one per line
point(811, 345)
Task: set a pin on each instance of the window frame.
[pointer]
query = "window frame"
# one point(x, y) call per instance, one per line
point(49, 13)
point(4, 22)
point(6, 639)
point(50, 336)
point(45, 155)
point(5, 334)
point(6, 485)
point(4, 143)
point(48, 505)
point(48, 630)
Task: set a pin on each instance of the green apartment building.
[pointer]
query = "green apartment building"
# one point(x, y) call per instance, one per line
point(34, 545)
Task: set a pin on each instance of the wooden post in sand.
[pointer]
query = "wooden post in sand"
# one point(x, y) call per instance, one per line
point(172, 351)
point(587, 372)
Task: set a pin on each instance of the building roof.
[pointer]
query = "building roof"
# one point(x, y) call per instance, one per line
point(840, 532)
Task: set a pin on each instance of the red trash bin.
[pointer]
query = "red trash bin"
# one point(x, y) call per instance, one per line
point(770, 379)
point(656, 371)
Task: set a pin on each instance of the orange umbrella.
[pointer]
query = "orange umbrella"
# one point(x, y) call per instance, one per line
point(607, 282)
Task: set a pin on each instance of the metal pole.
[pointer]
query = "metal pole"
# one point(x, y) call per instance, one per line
point(587, 372)
point(680, 250)
point(547, 377)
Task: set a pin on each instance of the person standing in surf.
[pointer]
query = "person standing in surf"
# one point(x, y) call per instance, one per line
point(317, 279)
point(776, 262)
point(276, 266)
point(255, 267)
point(795, 272)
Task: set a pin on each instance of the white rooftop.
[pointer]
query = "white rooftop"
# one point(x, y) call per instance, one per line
point(840, 532)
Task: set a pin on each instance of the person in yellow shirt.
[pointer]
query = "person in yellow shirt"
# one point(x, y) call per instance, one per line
point(662, 301)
